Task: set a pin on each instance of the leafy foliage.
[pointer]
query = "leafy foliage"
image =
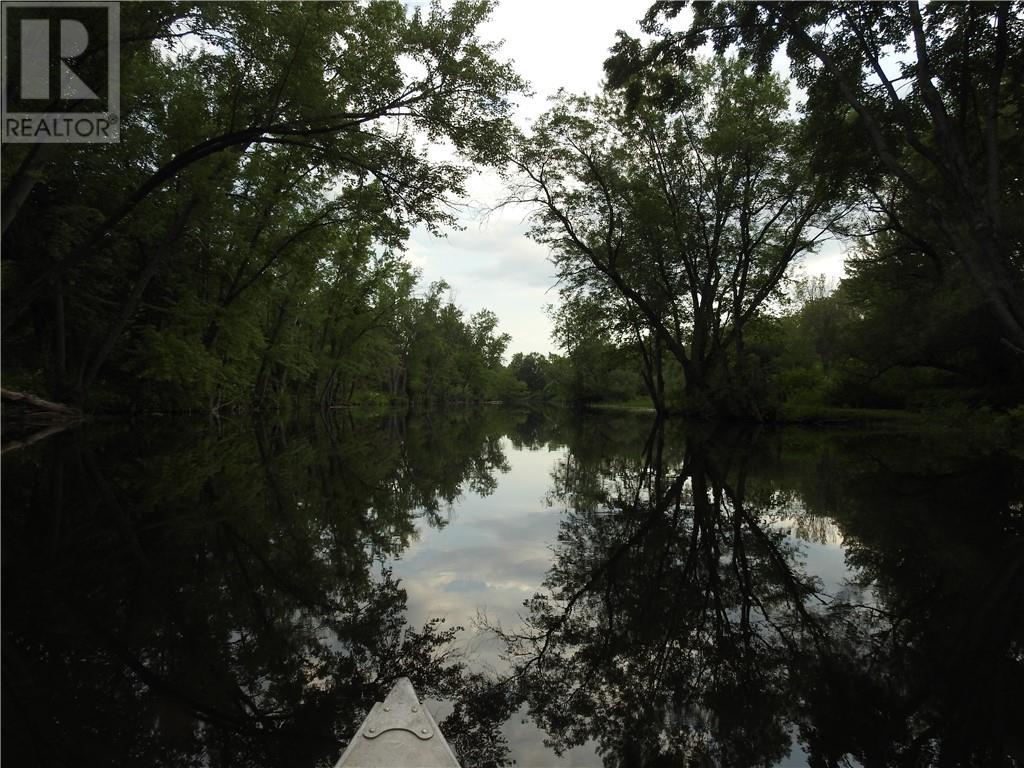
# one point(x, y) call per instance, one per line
point(243, 243)
point(673, 222)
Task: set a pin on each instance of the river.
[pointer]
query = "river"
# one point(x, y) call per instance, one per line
point(563, 589)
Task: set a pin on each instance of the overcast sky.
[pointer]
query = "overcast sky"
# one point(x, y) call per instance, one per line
point(491, 263)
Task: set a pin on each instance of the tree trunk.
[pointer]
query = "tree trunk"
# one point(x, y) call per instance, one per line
point(659, 376)
point(91, 365)
point(29, 172)
point(264, 373)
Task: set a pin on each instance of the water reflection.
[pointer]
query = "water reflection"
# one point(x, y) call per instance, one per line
point(680, 624)
point(220, 595)
point(240, 594)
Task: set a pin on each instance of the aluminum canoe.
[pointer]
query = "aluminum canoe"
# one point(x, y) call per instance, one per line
point(399, 732)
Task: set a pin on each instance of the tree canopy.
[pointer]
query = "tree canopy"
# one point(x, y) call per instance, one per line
point(688, 212)
point(916, 103)
point(246, 234)
point(896, 134)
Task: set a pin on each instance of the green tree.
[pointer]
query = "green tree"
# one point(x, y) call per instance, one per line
point(260, 144)
point(692, 210)
point(533, 370)
point(918, 104)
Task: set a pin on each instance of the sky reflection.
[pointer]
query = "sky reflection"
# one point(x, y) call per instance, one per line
point(492, 556)
point(496, 552)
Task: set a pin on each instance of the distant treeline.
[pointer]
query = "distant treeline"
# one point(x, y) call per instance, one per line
point(898, 344)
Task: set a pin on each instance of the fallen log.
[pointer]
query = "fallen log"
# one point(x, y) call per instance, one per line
point(31, 402)
point(27, 419)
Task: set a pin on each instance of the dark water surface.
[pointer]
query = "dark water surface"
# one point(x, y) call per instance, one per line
point(563, 590)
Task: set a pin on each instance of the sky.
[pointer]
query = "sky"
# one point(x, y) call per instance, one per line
point(490, 263)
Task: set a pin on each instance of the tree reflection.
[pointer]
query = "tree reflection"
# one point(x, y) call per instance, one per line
point(932, 674)
point(679, 625)
point(219, 597)
point(218, 594)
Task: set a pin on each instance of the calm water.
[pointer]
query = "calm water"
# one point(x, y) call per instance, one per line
point(563, 590)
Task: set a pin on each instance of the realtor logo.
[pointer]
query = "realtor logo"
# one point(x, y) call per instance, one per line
point(61, 72)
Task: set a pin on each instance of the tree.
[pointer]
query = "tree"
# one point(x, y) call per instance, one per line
point(936, 93)
point(276, 136)
point(532, 369)
point(948, 347)
point(609, 350)
point(692, 210)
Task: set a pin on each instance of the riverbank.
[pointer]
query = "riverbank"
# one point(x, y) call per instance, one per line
point(1001, 425)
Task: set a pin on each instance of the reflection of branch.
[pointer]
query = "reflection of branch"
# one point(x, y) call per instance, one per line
point(288, 586)
point(659, 509)
point(796, 591)
point(151, 679)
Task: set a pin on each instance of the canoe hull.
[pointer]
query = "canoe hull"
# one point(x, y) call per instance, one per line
point(399, 732)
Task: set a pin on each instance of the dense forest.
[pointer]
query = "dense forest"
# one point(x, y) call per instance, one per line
point(243, 246)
